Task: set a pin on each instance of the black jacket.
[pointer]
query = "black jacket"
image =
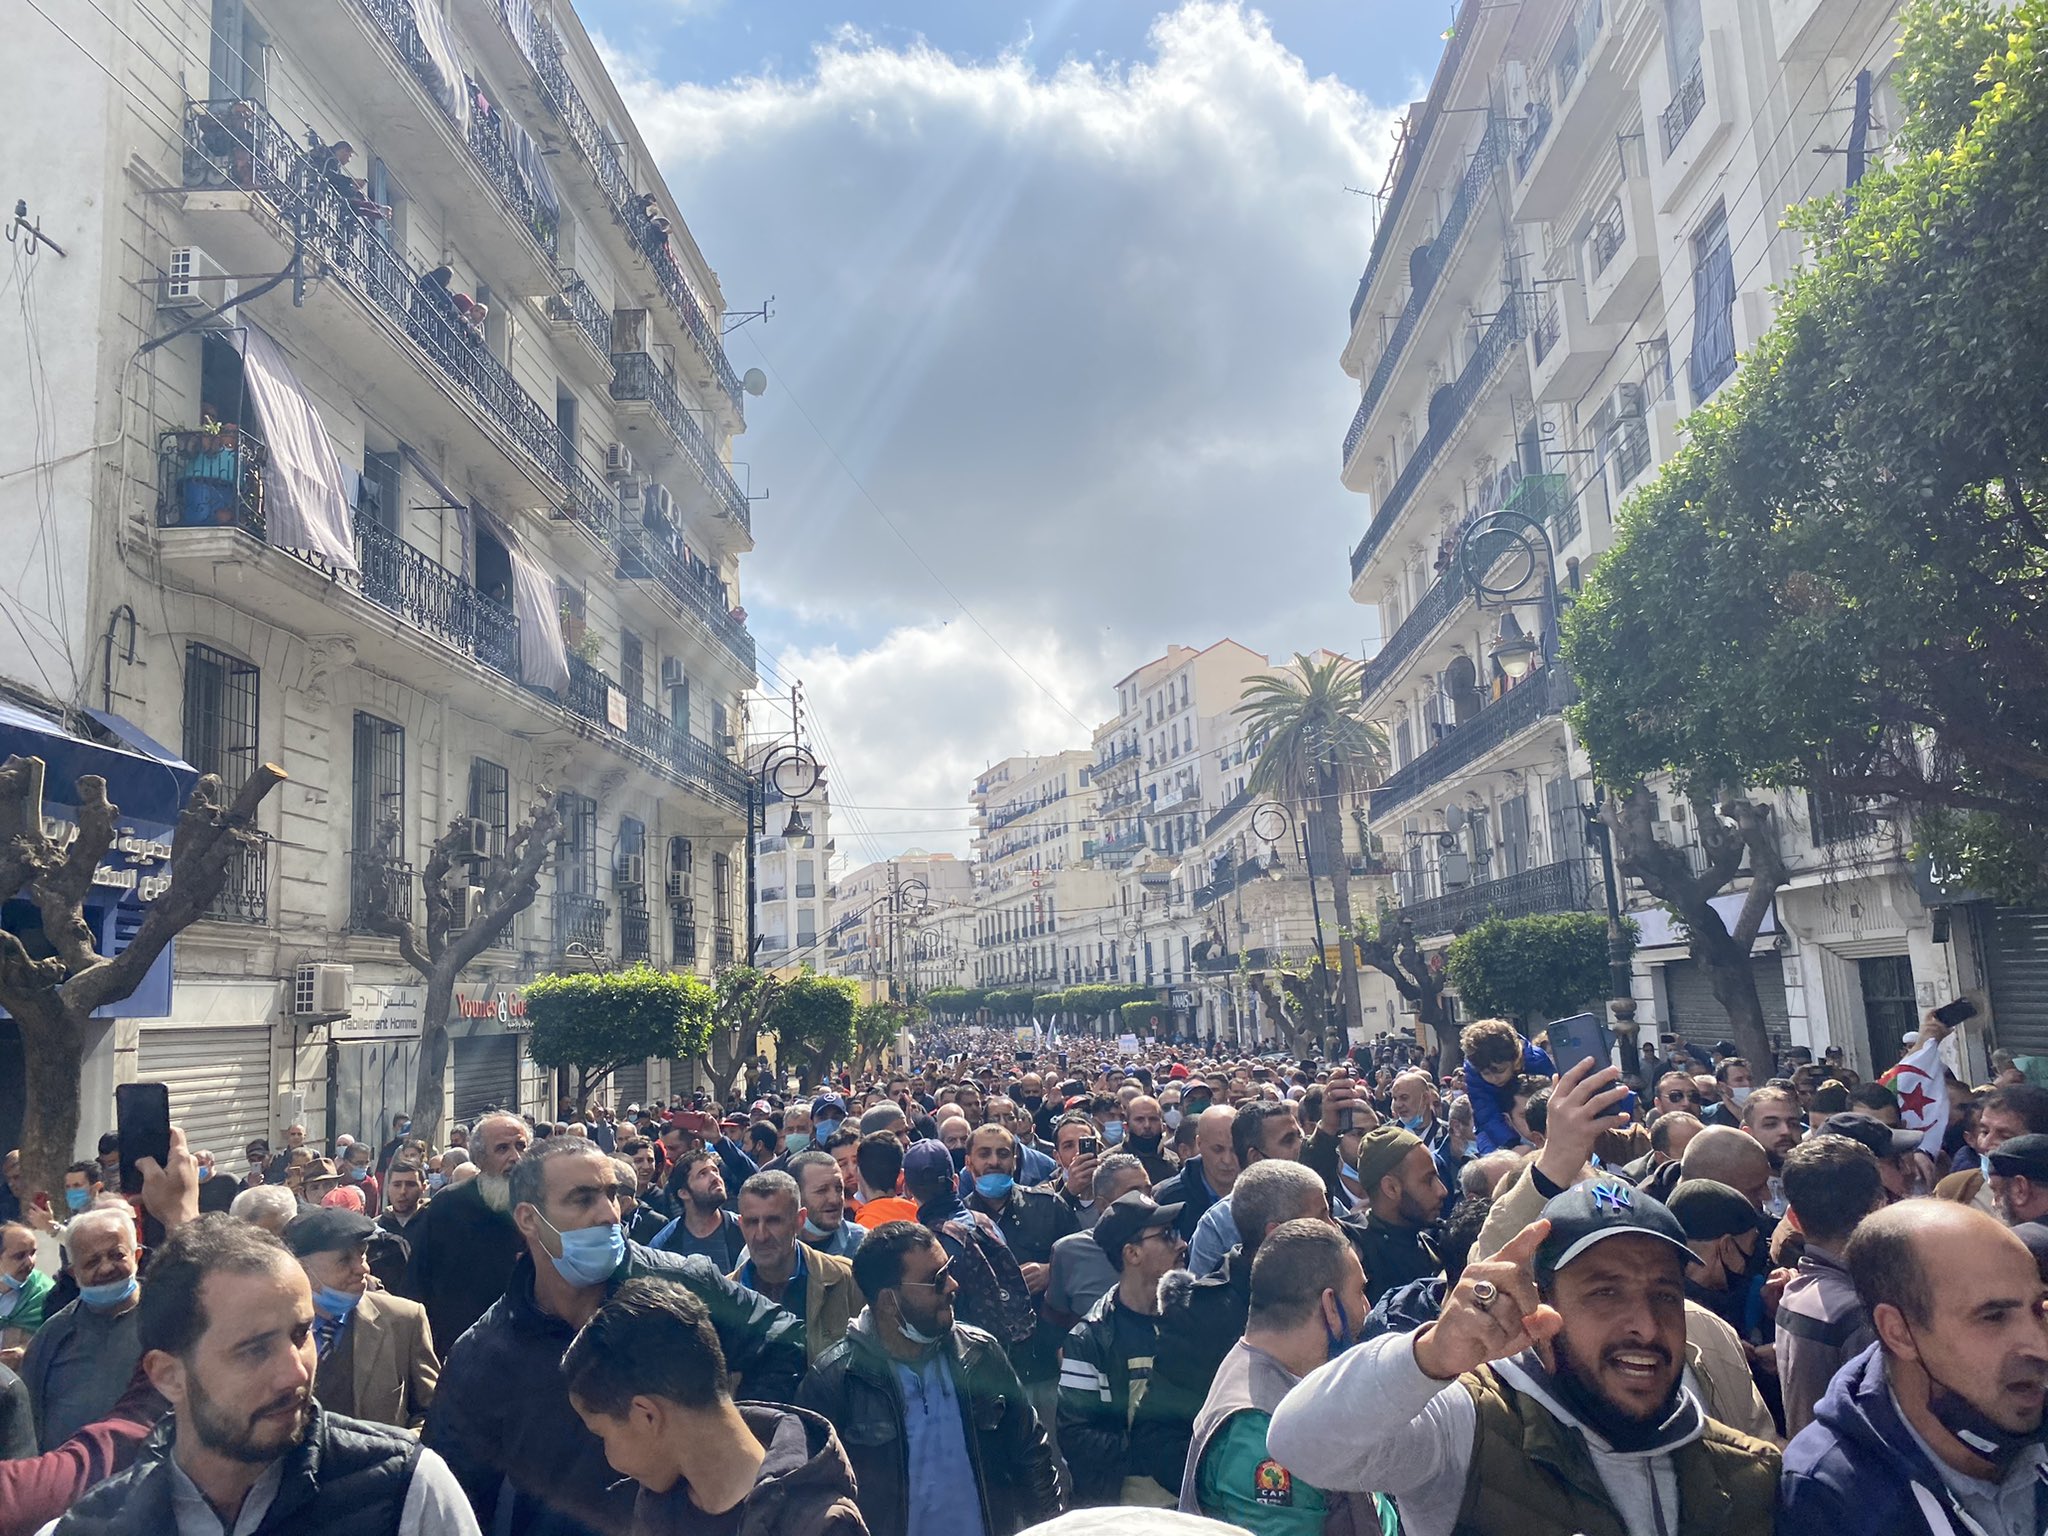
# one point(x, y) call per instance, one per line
point(346, 1478)
point(1191, 1192)
point(1199, 1322)
point(501, 1414)
point(1101, 1434)
point(804, 1487)
point(854, 1385)
point(462, 1253)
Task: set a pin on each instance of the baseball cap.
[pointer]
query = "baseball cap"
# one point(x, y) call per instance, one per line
point(1882, 1140)
point(327, 1229)
point(828, 1106)
point(1600, 1208)
point(1178, 1072)
point(2026, 1156)
point(928, 1162)
point(1706, 1209)
point(1130, 1218)
point(1381, 1152)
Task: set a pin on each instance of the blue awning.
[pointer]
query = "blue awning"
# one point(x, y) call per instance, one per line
point(146, 779)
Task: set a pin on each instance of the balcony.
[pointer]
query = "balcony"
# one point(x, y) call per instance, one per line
point(249, 187)
point(1115, 756)
point(521, 46)
point(1426, 264)
point(636, 937)
point(573, 312)
point(1566, 350)
point(1620, 264)
point(771, 894)
point(1448, 410)
point(688, 587)
point(1540, 696)
point(1683, 110)
point(1583, 91)
point(1561, 887)
point(722, 948)
point(383, 73)
point(1692, 124)
point(244, 898)
point(579, 920)
point(1445, 597)
point(663, 429)
point(220, 487)
point(379, 891)
point(682, 939)
point(609, 712)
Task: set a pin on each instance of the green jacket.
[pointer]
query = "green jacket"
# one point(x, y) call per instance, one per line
point(29, 1312)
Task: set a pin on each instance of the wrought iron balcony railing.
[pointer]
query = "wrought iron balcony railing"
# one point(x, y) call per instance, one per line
point(1447, 413)
point(591, 693)
point(579, 919)
point(486, 134)
point(577, 305)
point(244, 898)
point(1684, 109)
point(238, 145)
point(379, 891)
point(1530, 134)
point(636, 937)
point(543, 47)
point(1609, 234)
point(1545, 692)
point(1427, 264)
point(652, 554)
point(722, 950)
point(207, 479)
point(637, 376)
point(1442, 600)
point(1563, 887)
point(429, 596)
point(682, 940)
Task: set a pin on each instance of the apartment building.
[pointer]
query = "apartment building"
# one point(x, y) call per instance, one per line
point(1581, 229)
point(379, 383)
point(893, 919)
point(1039, 902)
point(793, 887)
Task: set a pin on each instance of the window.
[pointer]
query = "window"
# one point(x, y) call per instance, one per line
point(379, 879)
point(579, 914)
point(632, 666)
point(806, 878)
point(636, 939)
point(380, 499)
point(679, 701)
point(235, 65)
point(220, 738)
point(1713, 307)
point(490, 800)
point(721, 736)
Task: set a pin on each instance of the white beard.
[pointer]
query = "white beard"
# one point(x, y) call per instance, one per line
point(496, 1188)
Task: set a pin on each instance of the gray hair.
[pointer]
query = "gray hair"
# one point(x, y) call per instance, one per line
point(528, 1179)
point(113, 1212)
point(773, 1181)
point(1109, 1170)
point(1479, 1178)
point(453, 1159)
point(1269, 1192)
point(253, 1204)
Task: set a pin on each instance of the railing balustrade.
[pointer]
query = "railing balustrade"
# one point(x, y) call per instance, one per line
point(1543, 693)
point(636, 376)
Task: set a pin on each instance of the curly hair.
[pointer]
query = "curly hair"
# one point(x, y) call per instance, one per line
point(1490, 1043)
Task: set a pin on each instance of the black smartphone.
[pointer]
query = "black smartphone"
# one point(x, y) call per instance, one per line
point(1957, 1012)
point(1090, 1146)
point(142, 1121)
point(1354, 1120)
point(1577, 1039)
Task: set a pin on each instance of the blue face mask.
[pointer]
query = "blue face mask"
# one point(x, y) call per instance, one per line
point(1414, 1123)
point(1113, 1132)
point(993, 1186)
point(10, 1283)
point(78, 1199)
point(1337, 1343)
point(823, 1130)
point(205, 1173)
point(797, 1141)
point(590, 1255)
point(329, 1302)
point(436, 1182)
point(356, 1173)
point(405, 1129)
point(102, 1297)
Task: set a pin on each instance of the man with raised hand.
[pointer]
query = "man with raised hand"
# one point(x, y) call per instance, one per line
point(1548, 1399)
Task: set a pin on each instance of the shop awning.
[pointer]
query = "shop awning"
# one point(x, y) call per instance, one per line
point(146, 779)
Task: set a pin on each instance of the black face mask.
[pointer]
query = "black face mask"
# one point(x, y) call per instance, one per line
point(1031, 1102)
point(1620, 1430)
point(959, 1158)
point(1978, 1431)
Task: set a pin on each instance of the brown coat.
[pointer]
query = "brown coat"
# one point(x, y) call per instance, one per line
point(396, 1368)
point(831, 1300)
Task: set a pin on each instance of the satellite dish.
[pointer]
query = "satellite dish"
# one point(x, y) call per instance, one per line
point(755, 383)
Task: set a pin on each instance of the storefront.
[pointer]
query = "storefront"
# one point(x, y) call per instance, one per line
point(214, 1054)
point(374, 1068)
point(488, 1039)
point(2016, 963)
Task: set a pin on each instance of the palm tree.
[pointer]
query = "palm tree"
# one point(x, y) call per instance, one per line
point(1319, 750)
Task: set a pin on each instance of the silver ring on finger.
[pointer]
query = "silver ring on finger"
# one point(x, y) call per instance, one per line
point(1484, 1292)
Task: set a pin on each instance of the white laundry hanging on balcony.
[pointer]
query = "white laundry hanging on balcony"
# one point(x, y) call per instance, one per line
point(439, 41)
point(543, 658)
point(304, 507)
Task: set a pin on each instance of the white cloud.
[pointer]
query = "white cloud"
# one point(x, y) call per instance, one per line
point(1076, 332)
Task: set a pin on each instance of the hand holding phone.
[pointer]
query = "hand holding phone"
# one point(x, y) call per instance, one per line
point(142, 1123)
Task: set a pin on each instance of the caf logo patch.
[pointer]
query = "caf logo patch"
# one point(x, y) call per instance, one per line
point(1272, 1483)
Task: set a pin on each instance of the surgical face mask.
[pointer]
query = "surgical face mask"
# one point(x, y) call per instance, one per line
point(78, 1199)
point(816, 1233)
point(436, 1182)
point(1414, 1124)
point(1173, 1119)
point(1740, 1096)
point(357, 1173)
point(1971, 1425)
point(590, 1255)
point(993, 1186)
point(103, 1297)
point(913, 1333)
point(1113, 1132)
point(205, 1172)
point(823, 1130)
point(10, 1283)
point(797, 1141)
point(1349, 1172)
point(329, 1302)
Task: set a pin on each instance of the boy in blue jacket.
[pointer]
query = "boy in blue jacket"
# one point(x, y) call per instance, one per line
point(1495, 1055)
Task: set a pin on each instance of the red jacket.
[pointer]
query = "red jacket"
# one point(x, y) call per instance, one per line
point(37, 1489)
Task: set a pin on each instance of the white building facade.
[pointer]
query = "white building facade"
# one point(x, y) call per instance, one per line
point(1580, 234)
point(438, 515)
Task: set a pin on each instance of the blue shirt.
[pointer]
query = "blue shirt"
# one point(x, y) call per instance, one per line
point(944, 1499)
point(1215, 1235)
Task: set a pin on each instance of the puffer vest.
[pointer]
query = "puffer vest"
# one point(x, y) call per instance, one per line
point(346, 1478)
point(1533, 1476)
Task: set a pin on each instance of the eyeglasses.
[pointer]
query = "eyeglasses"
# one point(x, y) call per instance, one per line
point(939, 1277)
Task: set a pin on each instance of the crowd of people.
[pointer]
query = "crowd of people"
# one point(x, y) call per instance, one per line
point(1383, 1294)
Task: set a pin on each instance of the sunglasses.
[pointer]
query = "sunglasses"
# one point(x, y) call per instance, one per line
point(939, 1277)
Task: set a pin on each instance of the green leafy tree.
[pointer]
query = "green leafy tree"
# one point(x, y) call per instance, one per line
point(599, 1021)
point(1532, 968)
point(1320, 751)
point(1841, 581)
point(956, 1002)
point(1389, 946)
point(813, 1022)
point(744, 1001)
point(876, 1028)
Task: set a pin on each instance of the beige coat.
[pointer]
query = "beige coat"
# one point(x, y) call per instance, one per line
point(395, 1366)
point(831, 1300)
point(1712, 1349)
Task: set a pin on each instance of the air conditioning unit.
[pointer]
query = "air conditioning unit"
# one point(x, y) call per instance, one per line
point(728, 741)
point(321, 990)
point(465, 908)
point(194, 281)
point(679, 887)
point(618, 461)
point(474, 839)
point(672, 673)
point(658, 506)
point(632, 871)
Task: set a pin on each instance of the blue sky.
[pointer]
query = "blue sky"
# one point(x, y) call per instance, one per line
point(1059, 298)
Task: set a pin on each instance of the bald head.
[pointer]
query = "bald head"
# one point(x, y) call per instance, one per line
point(1212, 1145)
point(1730, 1157)
point(1938, 1266)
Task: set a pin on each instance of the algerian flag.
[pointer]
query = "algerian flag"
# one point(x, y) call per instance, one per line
point(1919, 1080)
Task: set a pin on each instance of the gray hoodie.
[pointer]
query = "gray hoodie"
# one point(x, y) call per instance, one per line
point(1372, 1419)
